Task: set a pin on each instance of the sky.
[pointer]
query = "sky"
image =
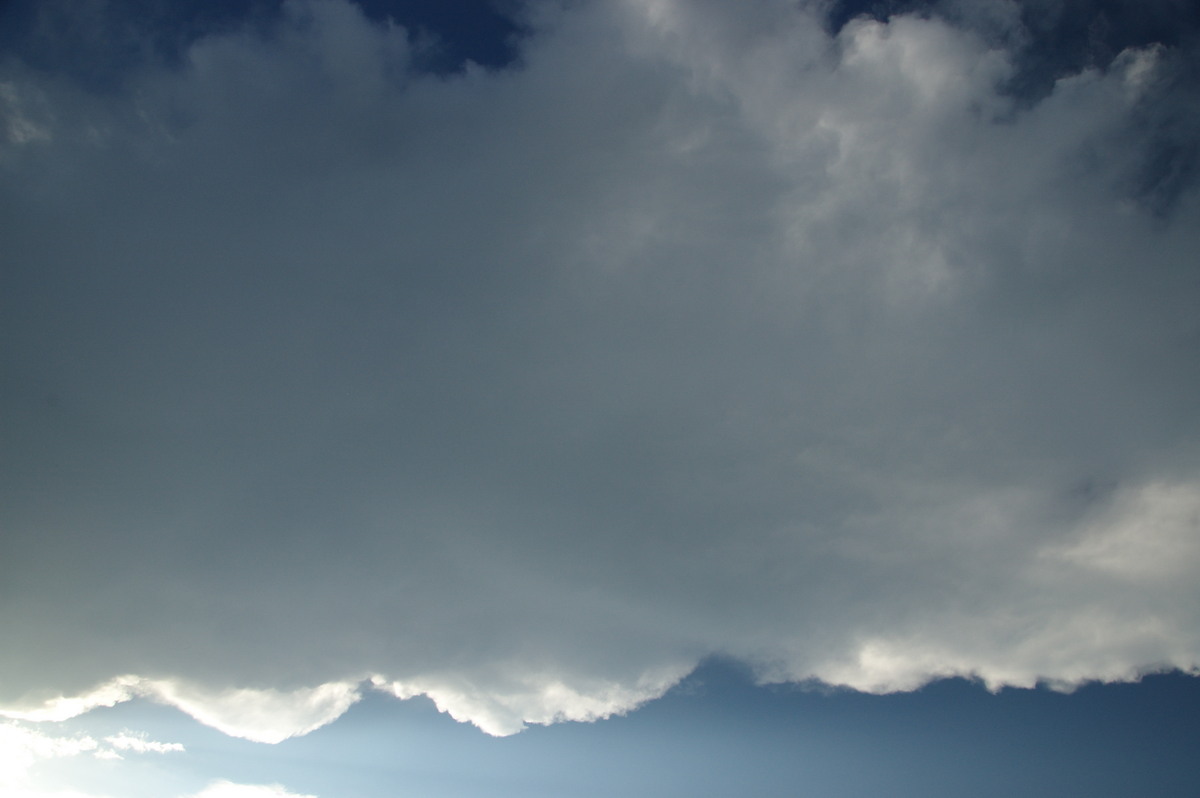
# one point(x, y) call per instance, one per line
point(571, 398)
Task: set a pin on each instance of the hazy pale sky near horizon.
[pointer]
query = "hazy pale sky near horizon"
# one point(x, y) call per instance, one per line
point(528, 356)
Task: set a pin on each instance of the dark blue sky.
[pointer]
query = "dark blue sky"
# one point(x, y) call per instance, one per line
point(100, 42)
point(1063, 37)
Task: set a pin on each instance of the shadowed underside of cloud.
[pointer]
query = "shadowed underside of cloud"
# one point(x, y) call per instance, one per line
point(699, 332)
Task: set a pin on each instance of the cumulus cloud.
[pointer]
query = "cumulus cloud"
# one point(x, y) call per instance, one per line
point(698, 331)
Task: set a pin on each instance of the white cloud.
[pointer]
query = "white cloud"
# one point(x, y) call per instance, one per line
point(59, 708)
point(700, 332)
point(533, 698)
point(228, 789)
point(138, 744)
point(263, 715)
point(21, 747)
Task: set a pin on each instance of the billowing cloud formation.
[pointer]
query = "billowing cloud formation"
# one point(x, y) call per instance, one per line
point(700, 331)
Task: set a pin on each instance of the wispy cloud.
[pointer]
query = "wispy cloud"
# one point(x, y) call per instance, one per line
point(24, 747)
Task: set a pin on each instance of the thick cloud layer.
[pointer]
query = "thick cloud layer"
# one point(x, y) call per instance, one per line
point(699, 331)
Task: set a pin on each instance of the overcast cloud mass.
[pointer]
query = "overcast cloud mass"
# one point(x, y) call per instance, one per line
point(700, 329)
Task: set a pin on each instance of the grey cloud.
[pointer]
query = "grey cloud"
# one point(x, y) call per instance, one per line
point(692, 335)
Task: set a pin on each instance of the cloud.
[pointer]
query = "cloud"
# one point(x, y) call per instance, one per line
point(264, 715)
point(23, 748)
point(109, 694)
point(228, 789)
point(691, 333)
point(1141, 536)
point(532, 698)
point(138, 744)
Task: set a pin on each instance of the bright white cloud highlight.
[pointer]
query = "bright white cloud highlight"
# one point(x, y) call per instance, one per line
point(533, 698)
point(138, 744)
point(265, 716)
point(23, 748)
point(228, 789)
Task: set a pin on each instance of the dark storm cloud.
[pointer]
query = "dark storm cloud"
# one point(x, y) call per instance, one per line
point(695, 332)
